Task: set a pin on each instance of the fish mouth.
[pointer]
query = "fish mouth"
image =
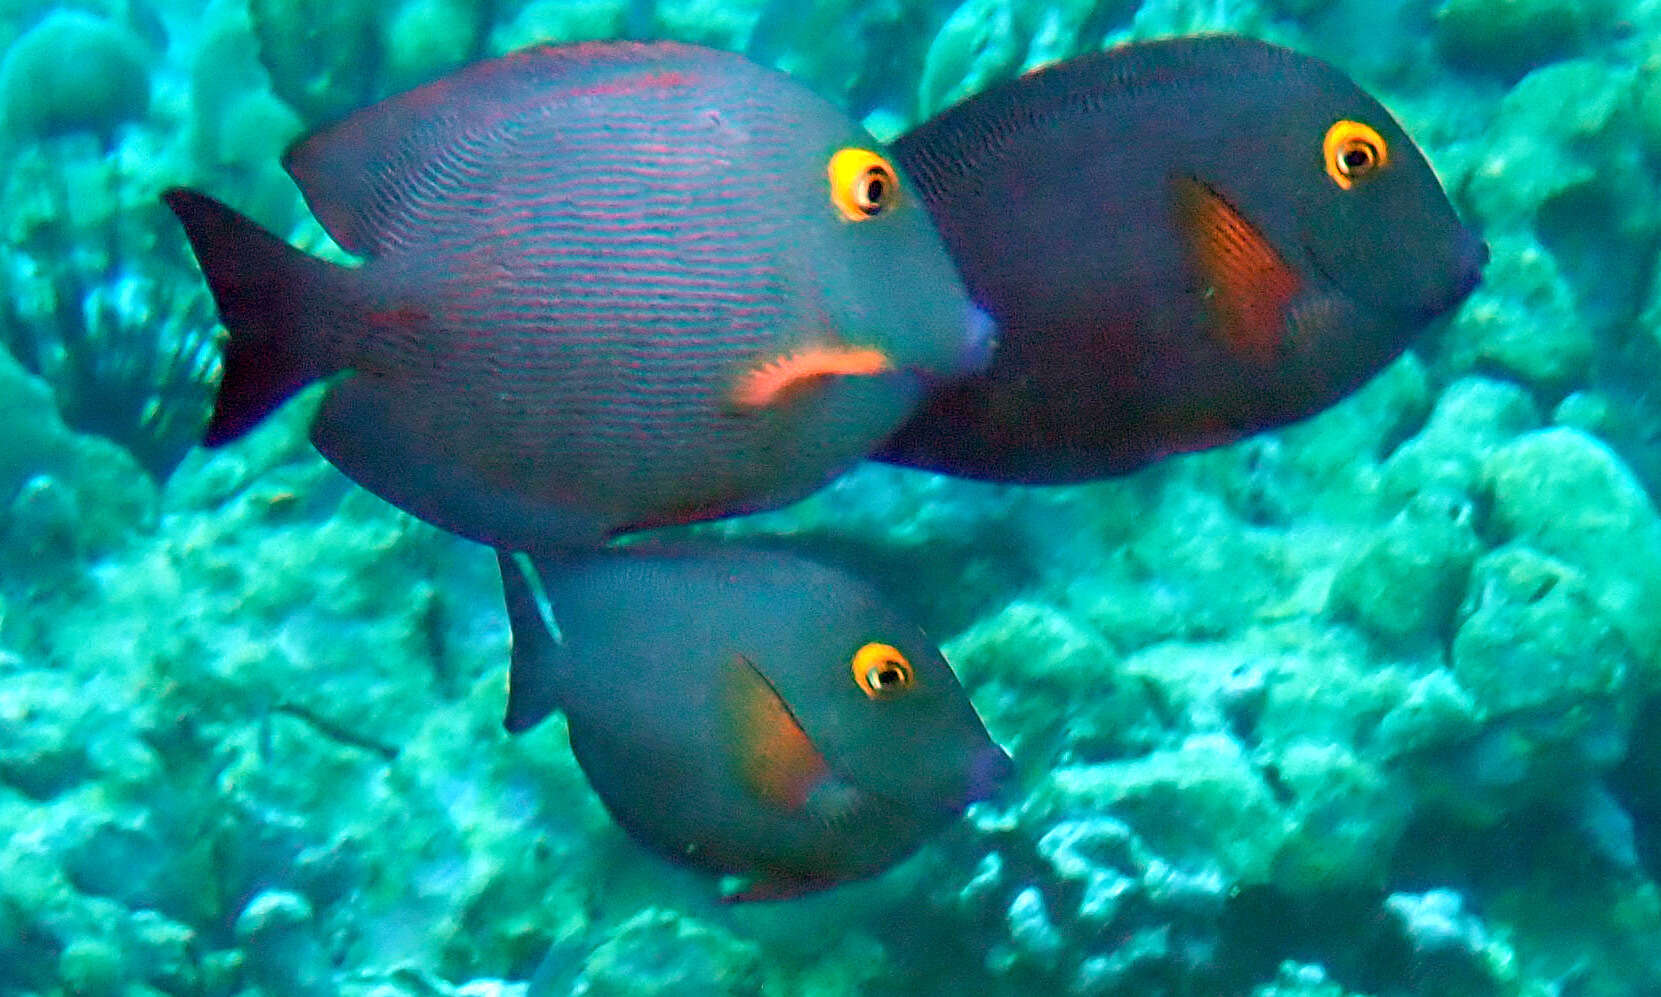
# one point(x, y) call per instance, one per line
point(1473, 259)
point(1468, 261)
point(989, 771)
point(980, 343)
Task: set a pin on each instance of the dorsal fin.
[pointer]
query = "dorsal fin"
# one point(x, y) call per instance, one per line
point(389, 172)
point(538, 646)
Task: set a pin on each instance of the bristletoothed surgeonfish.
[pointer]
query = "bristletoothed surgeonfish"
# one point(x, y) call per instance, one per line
point(747, 712)
point(1182, 242)
point(605, 286)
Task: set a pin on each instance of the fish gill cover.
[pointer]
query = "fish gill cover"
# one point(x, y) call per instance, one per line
point(1365, 705)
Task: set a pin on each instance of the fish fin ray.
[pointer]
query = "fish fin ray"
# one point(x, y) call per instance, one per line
point(776, 759)
point(1249, 286)
point(357, 174)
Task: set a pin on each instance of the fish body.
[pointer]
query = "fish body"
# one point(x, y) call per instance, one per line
point(605, 286)
point(1181, 242)
point(728, 705)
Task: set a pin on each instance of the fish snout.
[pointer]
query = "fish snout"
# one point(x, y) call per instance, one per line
point(1472, 259)
point(979, 342)
point(1469, 262)
point(989, 770)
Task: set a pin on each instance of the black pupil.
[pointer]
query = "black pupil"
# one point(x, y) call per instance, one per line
point(873, 188)
point(1358, 157)
point(889, 675)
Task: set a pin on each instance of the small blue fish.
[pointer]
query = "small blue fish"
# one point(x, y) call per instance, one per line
point(747, 712)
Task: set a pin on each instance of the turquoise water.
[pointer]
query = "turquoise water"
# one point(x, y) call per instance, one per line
point(1371, 704)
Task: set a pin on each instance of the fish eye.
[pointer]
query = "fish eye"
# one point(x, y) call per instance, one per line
point(862, 183)
point(1353, 152)
point(882, 671)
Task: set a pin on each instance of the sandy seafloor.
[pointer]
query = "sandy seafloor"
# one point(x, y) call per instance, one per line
point(1368, 705)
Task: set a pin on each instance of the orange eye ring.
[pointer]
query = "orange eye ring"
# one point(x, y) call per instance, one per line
point(862, 184)
point(882, 671)
point(1353, 152)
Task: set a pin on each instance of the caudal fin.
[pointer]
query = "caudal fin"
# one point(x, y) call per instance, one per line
point(268, 294)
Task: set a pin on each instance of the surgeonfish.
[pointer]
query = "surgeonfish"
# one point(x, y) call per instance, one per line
point(747, 712)
point(605, 286)
point(1182, 242)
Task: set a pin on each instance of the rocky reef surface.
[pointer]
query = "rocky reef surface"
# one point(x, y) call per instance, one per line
point(1366, 706)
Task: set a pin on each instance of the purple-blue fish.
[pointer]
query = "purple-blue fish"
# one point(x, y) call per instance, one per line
point(605, 286)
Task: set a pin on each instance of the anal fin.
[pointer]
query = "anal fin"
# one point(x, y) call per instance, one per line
point(538, 645)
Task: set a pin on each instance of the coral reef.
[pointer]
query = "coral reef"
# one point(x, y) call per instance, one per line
point(73, 71)
point(1368, 705)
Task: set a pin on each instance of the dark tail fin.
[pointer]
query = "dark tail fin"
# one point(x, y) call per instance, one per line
point(268, 295)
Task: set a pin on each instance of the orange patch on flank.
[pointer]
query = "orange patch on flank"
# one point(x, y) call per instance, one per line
point(776, 759)
point(1249, 286)
point(778, 379)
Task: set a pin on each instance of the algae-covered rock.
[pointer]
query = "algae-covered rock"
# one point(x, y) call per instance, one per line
point(1508, 37)
point(1568, 495)
point(1298, 979)
point(1200, 802)
point(324, 56)
point(1549, 670)
point(74, 71)
point(560, 20)
point(1471, 418)
point(1544, 139)
point(1344, 815)
point(1027, 663)
point(427, 38)
point(52, 477)
point(1588, 411)
point(1453, 946)
point(1404, 586)
point(978, 45)
point(1436, 713)
point(1083, 903)
point(659, 951)
point(1522, 321)
point(92, 966)
point(1533, 639)
point(869, 54)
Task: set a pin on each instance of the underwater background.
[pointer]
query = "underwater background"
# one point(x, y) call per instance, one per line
point(1368, 705)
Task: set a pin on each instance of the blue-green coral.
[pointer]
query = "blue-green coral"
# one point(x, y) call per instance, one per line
point(1368, 705)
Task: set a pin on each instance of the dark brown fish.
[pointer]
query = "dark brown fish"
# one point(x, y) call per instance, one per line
point(1182, 243)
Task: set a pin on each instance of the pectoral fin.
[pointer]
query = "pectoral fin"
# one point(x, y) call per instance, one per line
point(773, 756)
point(1248, 285)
